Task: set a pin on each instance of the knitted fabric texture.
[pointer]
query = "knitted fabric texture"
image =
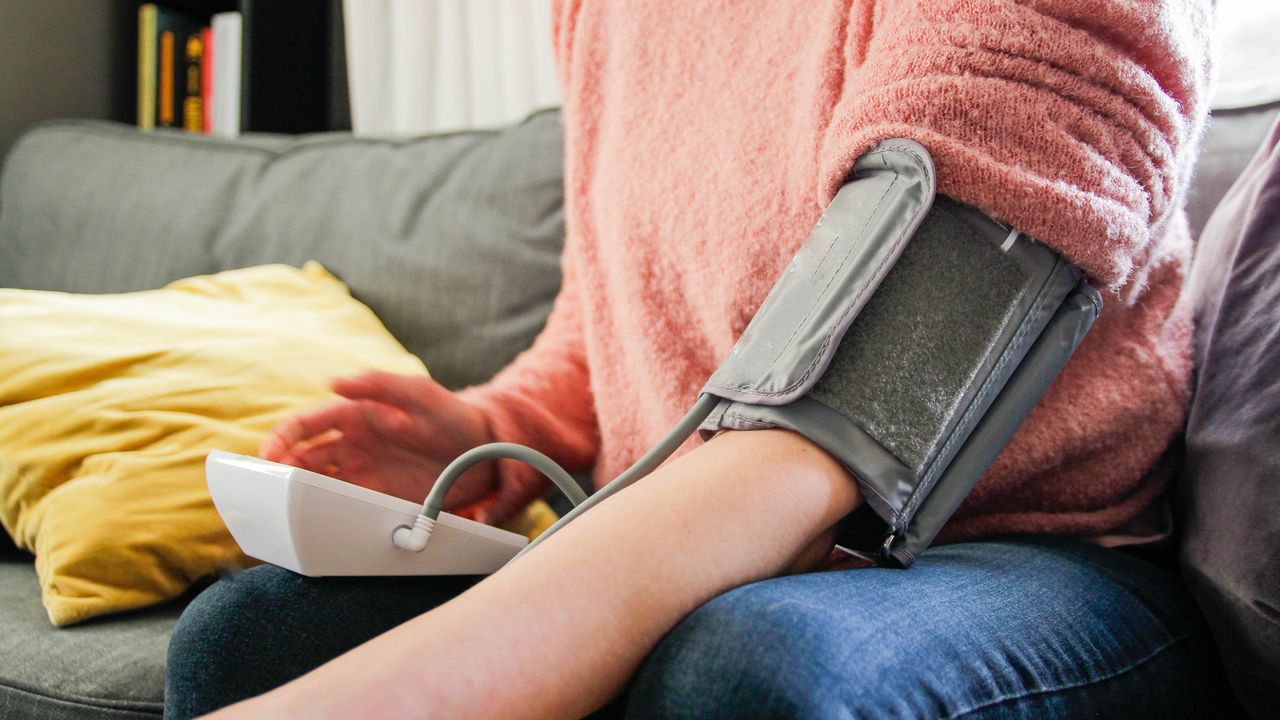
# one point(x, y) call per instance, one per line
point(704, 139)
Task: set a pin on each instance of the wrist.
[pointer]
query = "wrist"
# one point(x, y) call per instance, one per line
point(510, 484)
point(479, 409)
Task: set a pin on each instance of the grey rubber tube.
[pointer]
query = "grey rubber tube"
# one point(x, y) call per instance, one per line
point(494, 451)
point(645, 465)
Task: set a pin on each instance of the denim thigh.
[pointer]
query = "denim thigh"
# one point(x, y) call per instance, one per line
point(250, 633)
point(1043, 628)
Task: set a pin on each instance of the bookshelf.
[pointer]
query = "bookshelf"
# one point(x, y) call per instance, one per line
point(293, 71)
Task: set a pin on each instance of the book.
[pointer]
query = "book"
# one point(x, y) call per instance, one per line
point(227, 69)
point(192, 83)
point(169, 37)
point(147, 66)
point(206, 79)
point(164, 78)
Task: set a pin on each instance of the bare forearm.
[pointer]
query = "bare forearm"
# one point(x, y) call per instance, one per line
point(561, 631)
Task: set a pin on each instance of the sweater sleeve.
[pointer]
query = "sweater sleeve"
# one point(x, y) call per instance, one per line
point(543, 400)
point(1076, 121)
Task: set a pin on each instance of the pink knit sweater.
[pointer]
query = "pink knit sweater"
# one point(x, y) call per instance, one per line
point(704, 139)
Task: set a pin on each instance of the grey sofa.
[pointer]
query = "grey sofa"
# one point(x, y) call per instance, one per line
point(453, 240)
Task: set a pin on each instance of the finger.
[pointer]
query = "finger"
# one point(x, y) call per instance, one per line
point(467, 492)
point(410, 392)
point(480, 509)
point(495, 513)
point(273, 448)
point(503, 506)
point(319, 454)
point(328, 437)
point(395, 425)
point(309, 423)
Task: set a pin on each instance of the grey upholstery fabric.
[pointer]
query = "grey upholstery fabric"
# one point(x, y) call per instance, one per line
point(118, 670)
point(453, 240)
point(1229, 143)
point(1229, 494)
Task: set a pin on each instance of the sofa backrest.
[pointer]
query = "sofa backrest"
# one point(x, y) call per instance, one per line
point(453, 240)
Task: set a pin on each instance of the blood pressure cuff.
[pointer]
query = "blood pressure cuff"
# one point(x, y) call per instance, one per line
point(909, 337)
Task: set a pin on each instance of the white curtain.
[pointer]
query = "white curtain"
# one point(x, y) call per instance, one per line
point(418, 66)
point(1247, 67)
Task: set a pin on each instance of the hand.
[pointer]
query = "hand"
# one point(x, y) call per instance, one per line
point(392, 433)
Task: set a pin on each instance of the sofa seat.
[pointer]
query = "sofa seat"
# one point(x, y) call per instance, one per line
point(119, 662)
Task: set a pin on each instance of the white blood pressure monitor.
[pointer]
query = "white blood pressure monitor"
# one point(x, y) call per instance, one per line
point(317, 525)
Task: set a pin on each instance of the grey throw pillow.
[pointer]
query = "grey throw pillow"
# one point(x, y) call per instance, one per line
point(1229, 495)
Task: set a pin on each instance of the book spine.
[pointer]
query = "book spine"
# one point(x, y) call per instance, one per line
point(174, 30)
point(165, 100)
point(227, 59)
point(193, 86)
point(147, 66)
point(206, 79)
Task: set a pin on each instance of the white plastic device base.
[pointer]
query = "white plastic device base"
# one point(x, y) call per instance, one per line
point(317, 525)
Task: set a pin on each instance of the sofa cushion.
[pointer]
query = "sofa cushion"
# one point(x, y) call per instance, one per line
point(453, 240)
point(119, 667)
point(1229, 494)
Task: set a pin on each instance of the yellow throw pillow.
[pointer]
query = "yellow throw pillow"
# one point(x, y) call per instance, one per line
point(109, 404)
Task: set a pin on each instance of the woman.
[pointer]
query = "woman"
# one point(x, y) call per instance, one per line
point(702, 143)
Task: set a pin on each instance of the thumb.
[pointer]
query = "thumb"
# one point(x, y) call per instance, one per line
point(513, 495)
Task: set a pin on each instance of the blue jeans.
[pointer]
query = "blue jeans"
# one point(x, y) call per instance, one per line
point(1038, 628)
